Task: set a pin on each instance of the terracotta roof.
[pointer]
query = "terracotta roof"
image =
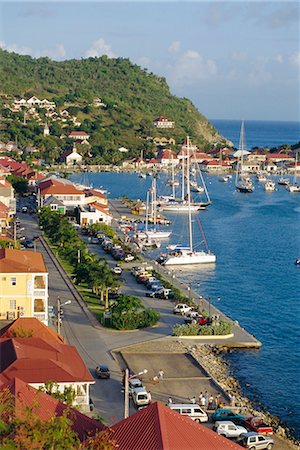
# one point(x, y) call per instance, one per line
point(35, 326)
point(101, 208)
point(34, 360)
point(157, 427)
point(278, 156)
point(21, 261)
point(4, 183)
point(4, 208)
point(78, 133)
point(60, 188)
point(95, 193)
point(45, 407)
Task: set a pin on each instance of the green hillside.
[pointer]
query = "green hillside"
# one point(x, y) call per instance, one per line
point(133, 97)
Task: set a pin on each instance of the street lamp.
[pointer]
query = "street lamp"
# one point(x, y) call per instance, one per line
point(126, 389)
point(59, 305)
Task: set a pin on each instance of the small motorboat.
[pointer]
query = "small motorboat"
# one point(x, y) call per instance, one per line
point(297, 262)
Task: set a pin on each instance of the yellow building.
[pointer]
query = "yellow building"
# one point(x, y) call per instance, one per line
point(23, 285)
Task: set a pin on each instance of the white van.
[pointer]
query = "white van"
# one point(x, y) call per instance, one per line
point(141, 397)
point(191, 410)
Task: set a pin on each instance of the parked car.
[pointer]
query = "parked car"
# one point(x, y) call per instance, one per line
point(134, 383)
point(141, 397)
point(29, 243)
point(258, 425)
point(102, 371)
point(117, 270)
point(255, 441)
point(192, 317)
point(181, 308)
point(94, 240)
point(191, 410)
point(129, 258)
point(228, 429)
point(162, 293)
point(226, 414)
point(24, 209)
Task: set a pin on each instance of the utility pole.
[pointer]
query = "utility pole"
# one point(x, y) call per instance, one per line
point(58, 315)
point(126, 394)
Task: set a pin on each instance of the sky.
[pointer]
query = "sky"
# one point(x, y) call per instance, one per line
point(233, 59)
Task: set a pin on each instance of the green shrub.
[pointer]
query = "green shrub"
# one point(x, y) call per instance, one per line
point(223, 328)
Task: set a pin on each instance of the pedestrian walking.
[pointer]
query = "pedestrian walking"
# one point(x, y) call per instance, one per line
point(193, 400)
point(206, 395)
point(161, 374)
point(218, 400)
point(211, 403)
point(232, 400)
point(200, 396)
point(203, 401)
point(170, 401)
point(155, 379)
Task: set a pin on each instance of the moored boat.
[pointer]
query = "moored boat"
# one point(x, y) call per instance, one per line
point(269, 186)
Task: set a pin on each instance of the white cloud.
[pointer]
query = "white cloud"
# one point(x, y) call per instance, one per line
point(239, 56)
point(16, 48)
point(56, 52)
point(191, 67)
point(99, 48)
point(278, 59)
point(295, 59)
point(174, 47)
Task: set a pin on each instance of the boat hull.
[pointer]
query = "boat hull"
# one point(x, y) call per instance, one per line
point(189, 258)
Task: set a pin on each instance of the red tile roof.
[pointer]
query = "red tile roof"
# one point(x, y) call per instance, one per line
point(157, 427)
point(21, 261)
point(78, 133)
point(32, 325)
point(45, 407)
point(37, 361)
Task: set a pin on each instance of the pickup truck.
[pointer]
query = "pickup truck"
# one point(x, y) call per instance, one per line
point(258, 425)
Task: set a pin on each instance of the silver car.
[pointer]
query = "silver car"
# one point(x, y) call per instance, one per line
point(255, 441)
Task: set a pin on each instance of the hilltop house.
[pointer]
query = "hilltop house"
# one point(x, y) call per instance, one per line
point(167, 157)
point(71, 157)
point(163, 122)
point(24, 285)
point(79, 136)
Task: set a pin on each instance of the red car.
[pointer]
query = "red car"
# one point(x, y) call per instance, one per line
point(258, 425)
point(202, 321)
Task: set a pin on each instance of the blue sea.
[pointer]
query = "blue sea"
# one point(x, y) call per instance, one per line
point(260, 133)
point(256, 238)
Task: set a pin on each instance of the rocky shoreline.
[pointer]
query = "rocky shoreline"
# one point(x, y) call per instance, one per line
point(212, 359)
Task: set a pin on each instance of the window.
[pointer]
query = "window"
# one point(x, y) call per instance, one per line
point(39, 305)
point(13, 281)
point(186, 411)
point(12, 304)
point(39, 282)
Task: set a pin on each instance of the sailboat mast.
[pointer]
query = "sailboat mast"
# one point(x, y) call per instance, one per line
point(147, 211)
point(173, 178)
point(154, 202)
point(188, 188)
point(183, 178)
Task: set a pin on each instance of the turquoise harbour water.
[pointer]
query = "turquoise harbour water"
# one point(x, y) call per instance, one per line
point(256, 238)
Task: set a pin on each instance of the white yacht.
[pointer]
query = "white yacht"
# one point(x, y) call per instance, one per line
point(269, 186)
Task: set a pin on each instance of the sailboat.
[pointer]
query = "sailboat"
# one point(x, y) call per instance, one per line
point(223, 177)
point(269, 186)
point(295, 187)
point(171, 204)
point(188, 255)
point(242, 182)
point(154, 233)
